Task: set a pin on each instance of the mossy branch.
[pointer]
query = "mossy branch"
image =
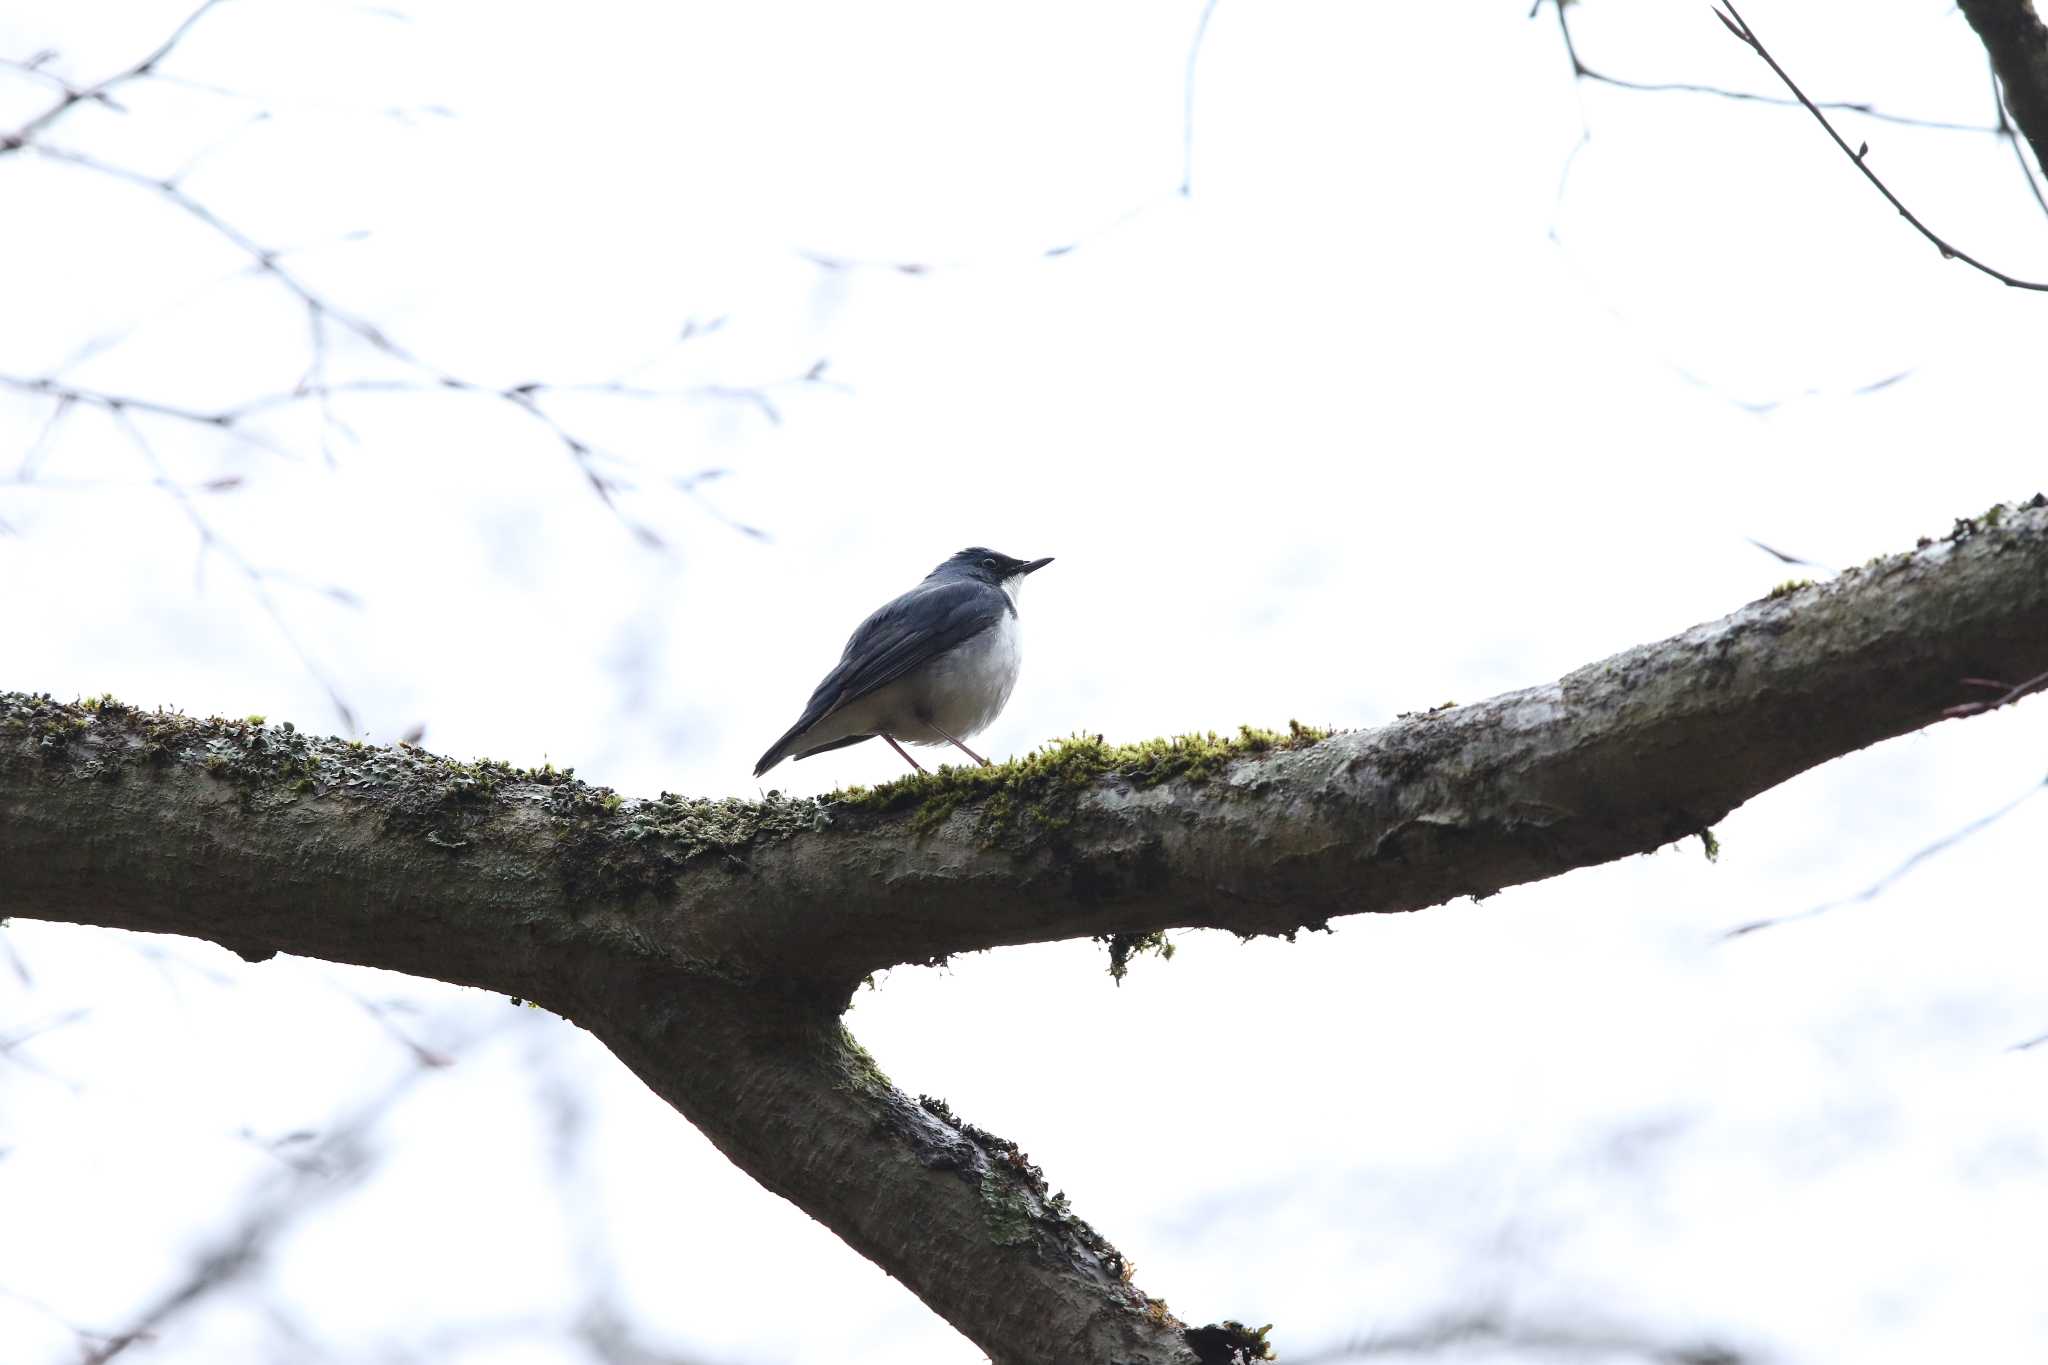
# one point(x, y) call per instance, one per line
point(712, 943)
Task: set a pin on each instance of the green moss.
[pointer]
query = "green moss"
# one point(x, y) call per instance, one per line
point(620, 849)
point(1040, 792)
point(47, 726)
point(1229, 1343)
point(610, 845)
point(1788, 587)
point(858, 1069)
point(1990, 519)
point(1711, 845)
point(1006, 1211)
point(1018, 1208)
point(1123, 947)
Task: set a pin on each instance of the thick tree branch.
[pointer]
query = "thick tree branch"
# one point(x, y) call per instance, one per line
point(2012, 32)
point(960, 1216)
point(712, 944)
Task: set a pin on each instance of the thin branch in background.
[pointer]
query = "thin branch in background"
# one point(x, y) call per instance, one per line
point(326, 321)
point(15, 962)
point(163, 961)
point(211, 541)
point(1784, 558)
point(101, 92)
point(315, 380)
point(335, 1163)
point(218, 145)
point(1572, 1341)
point(1877, 385)
point(383, 1012)
point(1183, 190)
point(13, 1041)
point(33, 455)
point(602, 1324)
point(37, 66)
point(1647, 343)
point(1884, 883)
point(10, 1047)
point(1758, 408)
point(407, 115)
point(1187, 118)
point(2011, 693)
point(1733, 21)
point(323, 314)
point(2011, 135)
point(1581, 71)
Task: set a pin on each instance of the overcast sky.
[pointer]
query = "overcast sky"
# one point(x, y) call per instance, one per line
point(1446, 377)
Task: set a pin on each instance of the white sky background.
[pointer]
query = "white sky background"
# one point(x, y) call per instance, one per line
point(1381, 416)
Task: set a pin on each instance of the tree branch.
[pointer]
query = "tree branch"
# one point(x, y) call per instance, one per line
point(2012, 32)
point(1733, 21)
point(712, 943)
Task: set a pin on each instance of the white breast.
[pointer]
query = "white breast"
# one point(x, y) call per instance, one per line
point(967, 690)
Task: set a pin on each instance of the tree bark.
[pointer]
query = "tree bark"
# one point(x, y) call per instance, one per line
point(2012, 32)
point(713, 944)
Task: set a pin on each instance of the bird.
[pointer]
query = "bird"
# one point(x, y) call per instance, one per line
point(935, 666)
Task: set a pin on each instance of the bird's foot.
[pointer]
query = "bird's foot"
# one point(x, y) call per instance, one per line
point(906, 754)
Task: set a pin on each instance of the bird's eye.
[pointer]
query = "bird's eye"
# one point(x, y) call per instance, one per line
point(988, 563)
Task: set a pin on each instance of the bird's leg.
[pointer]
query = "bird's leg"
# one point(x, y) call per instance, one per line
point(906, 757)
point(961, 747)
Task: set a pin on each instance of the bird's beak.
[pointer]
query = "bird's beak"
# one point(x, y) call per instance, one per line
point(1034, 566)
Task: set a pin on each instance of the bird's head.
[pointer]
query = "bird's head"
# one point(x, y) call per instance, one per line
point(992, 567)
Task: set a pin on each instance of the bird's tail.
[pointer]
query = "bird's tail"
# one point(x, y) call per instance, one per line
point(777, 751)
point(781, 748)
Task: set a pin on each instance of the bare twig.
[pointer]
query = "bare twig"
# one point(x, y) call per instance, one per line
point(13, 1041)
point(1581, 71)
point(334, 1164)
point(210, 540)
point(833, 262)
point(70, 96)
point(1733, 21)
point(1784, 558)
point(10, 1046)
point(2010, 695)
point(1884, 883)
point(327, 322)
point(323, 315)
point(1187, 121)
point(1459, 1333)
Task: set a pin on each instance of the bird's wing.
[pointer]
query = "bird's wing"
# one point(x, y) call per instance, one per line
point(902, 637)
point(898, 639)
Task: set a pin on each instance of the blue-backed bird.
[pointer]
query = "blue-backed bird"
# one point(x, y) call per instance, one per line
point(935, 666)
